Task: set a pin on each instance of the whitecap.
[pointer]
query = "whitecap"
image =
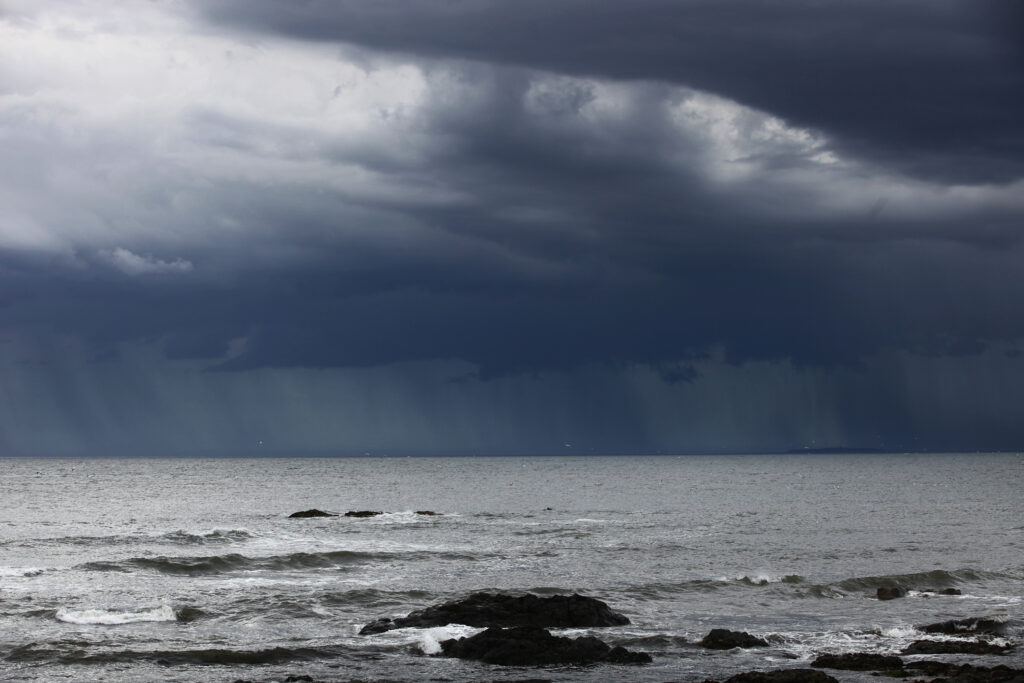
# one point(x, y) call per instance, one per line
point(430, 639)
point(900, 632)
point(114, 617)
point(6, 572)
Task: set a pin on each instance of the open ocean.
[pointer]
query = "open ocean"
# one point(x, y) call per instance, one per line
point(191, 570)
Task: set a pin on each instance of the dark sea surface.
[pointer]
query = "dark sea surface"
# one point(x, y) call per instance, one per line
point(191, 570)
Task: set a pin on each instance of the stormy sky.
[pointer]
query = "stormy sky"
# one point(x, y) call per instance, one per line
point(495, 226)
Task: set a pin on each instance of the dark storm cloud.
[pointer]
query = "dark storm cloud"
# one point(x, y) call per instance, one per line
point(933, 89)
point(513, 215)
point(573, 244)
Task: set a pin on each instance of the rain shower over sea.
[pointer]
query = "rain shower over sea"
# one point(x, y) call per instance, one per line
point(191, 569)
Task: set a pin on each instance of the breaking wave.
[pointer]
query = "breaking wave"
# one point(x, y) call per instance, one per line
point(215, 536)
point(114, 617)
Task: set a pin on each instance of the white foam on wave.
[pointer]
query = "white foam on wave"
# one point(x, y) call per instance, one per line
point(429, 640)
point(114, 617)
point(900, 632)
point(6, 572)
point(807, 646)
point(757, 578)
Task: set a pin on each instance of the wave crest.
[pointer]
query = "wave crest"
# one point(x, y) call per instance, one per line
point(115, 617)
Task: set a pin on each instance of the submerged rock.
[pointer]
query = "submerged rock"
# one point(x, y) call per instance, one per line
point(312, 513)
point(428, 513)
point(891, 592)
point(783, 676)
point(723, 639)
point(495, 609)
point(955, 647)
point(858, 661)
point(942, 591)
point(532, 646)
point(363, 513)
point(960, 626)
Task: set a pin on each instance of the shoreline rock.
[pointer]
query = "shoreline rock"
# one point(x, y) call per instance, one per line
point(973, 625)
point(780, 676)
point(723, 639)
point(363, 513)
point(313, 512)
point(858, 661)
point(499, 610)
point(966, 673)
point(535, 646)
point(891, 592)
point(955, 647)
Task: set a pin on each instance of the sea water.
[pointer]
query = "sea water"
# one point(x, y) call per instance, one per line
point(191, 570)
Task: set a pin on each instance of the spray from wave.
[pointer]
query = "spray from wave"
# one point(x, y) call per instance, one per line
point(115, 617)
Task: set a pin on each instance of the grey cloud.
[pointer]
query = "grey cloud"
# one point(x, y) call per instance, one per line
point(566, 243)
point(520, 246)
point(931, 89)
point(131, 263)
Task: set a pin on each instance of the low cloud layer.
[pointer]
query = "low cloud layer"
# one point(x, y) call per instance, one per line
point(706, 200)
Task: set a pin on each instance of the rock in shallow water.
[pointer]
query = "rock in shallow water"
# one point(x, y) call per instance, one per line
point(961, 626)
point(312, 513)
point(783, 676)
point(363, 513)
point(967, 673)
point(858, 661)
point(723, 639)
point(532, 646)
point(891, 592)
point(955, 647)
point(495, 609)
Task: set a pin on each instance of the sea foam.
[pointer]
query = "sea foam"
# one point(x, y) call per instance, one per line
point(430, 639)
point(113, 617)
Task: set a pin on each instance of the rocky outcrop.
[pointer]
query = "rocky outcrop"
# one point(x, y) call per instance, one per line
point(966, 673)
point(532, 646)
point(955, 627)
point(312, 513)
point(428, 513)
point(782, 676)
point(363, 513)
point(955, 647)
point(858, 661)
point(723, 639)
point(891, 592)
point(495, 609)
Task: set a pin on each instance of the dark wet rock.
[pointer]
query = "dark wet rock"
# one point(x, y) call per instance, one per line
point(966, 673)
point(955, 627)
point(783, 676)
point(532, 645)
point(858, 661)
point(942, 591)
point(891, 592)
point(427, 513)
point(312, 513)
point(955, 647)
point(722, 639)
point(363, 513)
point(495, 609)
